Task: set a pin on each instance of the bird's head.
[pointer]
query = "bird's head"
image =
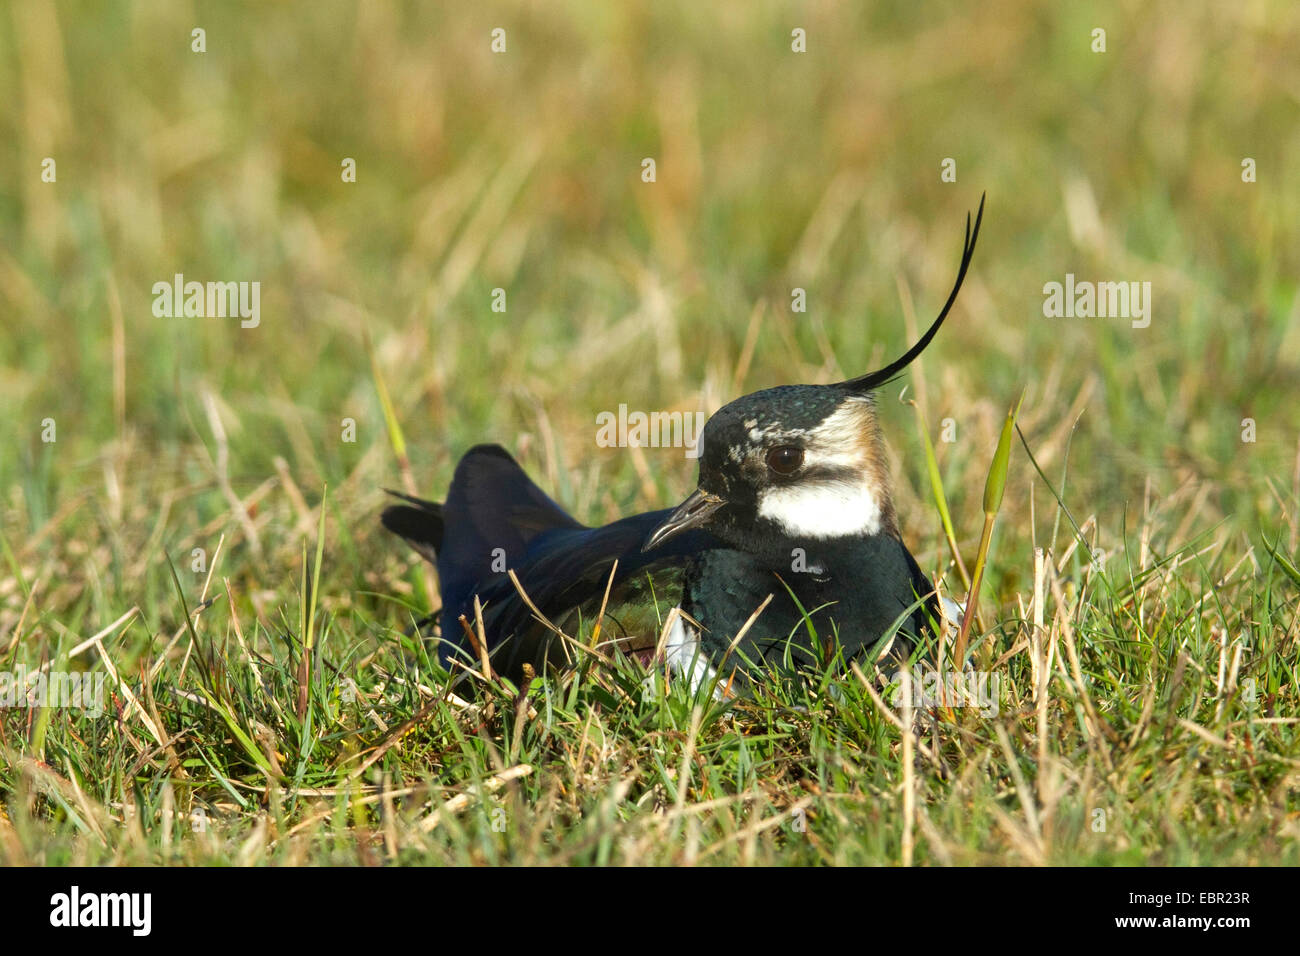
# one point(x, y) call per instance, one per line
point(794, 462)
point(799, 462)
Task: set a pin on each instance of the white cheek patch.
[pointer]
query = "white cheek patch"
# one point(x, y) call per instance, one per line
point(828, 507)
point(823, 509)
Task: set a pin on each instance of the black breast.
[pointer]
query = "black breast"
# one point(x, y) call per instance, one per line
point(852, 590)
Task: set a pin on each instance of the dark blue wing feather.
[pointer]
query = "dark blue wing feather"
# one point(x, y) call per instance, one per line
point(495, 517)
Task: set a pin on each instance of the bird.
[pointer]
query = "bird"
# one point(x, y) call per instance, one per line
point(786, 556)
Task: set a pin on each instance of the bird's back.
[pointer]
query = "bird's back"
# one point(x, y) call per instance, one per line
point(496, 520)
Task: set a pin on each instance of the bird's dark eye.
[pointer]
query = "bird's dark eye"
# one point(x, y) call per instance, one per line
point(785, 459)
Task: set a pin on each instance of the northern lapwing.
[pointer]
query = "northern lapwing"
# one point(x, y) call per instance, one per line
point(793, 504)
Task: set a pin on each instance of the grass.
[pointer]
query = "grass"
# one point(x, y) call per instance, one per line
point(265, 703)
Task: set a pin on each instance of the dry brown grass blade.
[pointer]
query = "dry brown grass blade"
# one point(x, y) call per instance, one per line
point(546, 622)
point(461, 801)
point(604, 603)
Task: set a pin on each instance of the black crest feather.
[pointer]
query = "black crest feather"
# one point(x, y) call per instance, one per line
point(873, 380)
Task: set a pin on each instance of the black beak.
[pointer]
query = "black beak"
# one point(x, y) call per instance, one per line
point(691, 513)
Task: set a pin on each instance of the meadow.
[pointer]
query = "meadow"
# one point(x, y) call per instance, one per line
point(454, 244)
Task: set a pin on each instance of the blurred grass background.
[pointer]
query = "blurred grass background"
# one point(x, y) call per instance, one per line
point(522, 170)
